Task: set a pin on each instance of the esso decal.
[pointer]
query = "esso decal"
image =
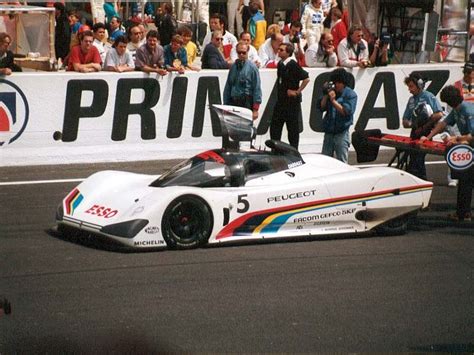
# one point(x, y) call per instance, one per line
point(102, 211)
point(460, 157)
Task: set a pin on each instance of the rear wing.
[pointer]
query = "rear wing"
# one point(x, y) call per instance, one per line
point(236, 125)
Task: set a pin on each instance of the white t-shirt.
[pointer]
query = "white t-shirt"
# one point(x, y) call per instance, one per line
point(113, 58)
point(252, 55)
point(102, 47)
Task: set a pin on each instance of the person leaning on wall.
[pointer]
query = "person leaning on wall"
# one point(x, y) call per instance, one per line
point(85, 57)
point(7, 63)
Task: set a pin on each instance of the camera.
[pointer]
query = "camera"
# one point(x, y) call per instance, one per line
point(5, 305)
point(296, 38)
point(385, 38)
point(328, 86)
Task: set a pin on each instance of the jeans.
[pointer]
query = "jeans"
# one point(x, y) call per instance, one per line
point(338, 143)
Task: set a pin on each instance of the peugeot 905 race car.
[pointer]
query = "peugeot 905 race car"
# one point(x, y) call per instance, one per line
point(232, 194)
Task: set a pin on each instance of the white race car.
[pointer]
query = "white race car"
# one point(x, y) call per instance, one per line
point(232, 194)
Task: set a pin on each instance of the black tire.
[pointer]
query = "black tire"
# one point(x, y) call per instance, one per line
point(397, 226)
point(187, 222)
point(66, 231)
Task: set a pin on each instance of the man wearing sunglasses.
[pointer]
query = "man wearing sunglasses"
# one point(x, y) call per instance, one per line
point(242, 87)
point(291, 81)
point(213, 55)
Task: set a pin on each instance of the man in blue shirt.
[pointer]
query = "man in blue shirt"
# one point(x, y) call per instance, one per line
point(213, 56)
point(116, 29)
point(243, 87)
point(462, 114)
point(339, 102)
point(419, 128)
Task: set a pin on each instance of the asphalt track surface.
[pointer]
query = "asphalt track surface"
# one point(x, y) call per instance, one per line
point(411, 293)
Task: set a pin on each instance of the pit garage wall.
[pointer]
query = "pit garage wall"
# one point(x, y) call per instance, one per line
point(62, 118)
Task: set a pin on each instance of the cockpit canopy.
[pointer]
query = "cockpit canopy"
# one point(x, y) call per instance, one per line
point(222, 168)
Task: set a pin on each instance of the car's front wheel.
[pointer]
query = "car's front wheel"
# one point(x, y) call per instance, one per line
point(187, 222)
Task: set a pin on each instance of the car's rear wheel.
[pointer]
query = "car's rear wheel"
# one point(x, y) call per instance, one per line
point(187, 222)
point(397, 226)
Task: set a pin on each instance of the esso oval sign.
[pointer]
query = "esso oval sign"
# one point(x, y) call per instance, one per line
point(459, 157)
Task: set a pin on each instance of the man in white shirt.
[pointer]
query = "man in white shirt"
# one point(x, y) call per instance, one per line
point(252, 52)
point(100, 40)
point(322, 54)
point(135, 41)
point(229, 41)
point(118, 58)
point(353, 51)
point(268, 52)
point(295, 37)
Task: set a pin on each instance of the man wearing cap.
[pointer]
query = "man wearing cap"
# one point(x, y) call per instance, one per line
point(466, 84)
point(339, 102)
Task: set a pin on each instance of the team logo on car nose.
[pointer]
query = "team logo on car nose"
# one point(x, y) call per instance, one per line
point(14, 112)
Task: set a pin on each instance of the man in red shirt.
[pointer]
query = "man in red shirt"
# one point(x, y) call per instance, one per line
point(85, 57)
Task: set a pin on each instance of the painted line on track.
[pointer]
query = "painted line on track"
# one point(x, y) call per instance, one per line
point(62, 181)
point(37, 182)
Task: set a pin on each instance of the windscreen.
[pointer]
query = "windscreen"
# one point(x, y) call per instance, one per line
point(197, 172)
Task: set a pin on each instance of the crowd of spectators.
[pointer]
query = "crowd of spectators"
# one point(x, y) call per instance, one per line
point(320, 37)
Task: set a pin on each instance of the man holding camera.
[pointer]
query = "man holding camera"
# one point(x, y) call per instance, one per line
point(379, 51)
point(339, 102)
point(294, 36)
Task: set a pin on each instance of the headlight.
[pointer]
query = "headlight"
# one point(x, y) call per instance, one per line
point(127, 229)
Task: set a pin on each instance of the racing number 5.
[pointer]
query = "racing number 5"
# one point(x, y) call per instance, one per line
point(241, 200)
